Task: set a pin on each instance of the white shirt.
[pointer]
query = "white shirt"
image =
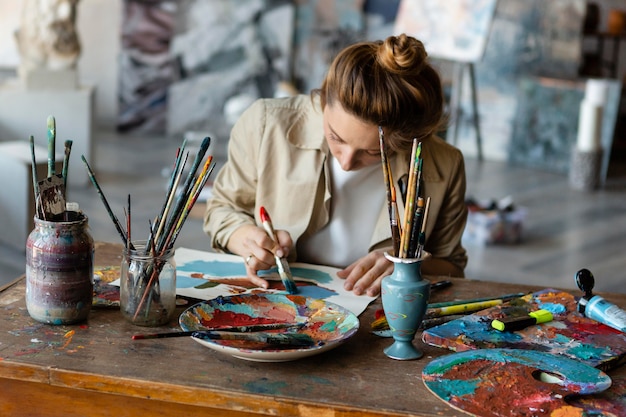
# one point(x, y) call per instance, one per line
point(356, 201)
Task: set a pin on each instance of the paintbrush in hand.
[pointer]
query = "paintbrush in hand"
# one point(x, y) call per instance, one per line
point(281, 263)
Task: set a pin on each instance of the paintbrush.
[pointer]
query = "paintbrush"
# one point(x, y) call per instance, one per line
point(112, 215)
point(284, 340)
point(380, 327)
point(393, 219)
point(281, 263)
point(36, 195)
point(66, 161)
point(52, 133)
point(438, 311)
point(52, 189)
point(238, 329)
point(164, 241)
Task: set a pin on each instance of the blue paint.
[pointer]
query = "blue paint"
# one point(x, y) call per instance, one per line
point(448, 389)
point(221, 269)
point(183, 281)
point(587, 352)
point(264, 386)
point(318, 380)
point(314, 291)
point(312, 274)
point(225, 269)
point(553, 308)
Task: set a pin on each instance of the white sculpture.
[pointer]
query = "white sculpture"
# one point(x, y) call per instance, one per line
point(47, 38)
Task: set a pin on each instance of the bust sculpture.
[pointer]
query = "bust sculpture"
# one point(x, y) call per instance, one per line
point(47, 38)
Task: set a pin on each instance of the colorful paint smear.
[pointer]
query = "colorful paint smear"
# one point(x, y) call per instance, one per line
point(104, 294)
point(569, 334)
point(512, 382)
point(326, 323)
point(610, 403)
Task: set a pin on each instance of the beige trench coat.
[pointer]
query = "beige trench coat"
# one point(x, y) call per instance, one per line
point(277, 158)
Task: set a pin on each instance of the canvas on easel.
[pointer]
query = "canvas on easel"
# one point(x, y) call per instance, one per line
point(456, 31)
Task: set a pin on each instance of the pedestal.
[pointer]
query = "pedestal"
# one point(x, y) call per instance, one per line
point(44, 79)
point(24, 112)
point(584, 170)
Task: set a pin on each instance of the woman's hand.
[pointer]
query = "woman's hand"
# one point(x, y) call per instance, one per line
point(365, 275)
point(258, 249)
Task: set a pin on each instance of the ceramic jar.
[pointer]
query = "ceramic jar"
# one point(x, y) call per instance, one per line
point(59, 270)
point(405, 296)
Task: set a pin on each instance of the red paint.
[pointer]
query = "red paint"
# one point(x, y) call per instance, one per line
point(265, 217)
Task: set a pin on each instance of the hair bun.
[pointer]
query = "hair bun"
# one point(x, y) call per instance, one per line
point(402, 54)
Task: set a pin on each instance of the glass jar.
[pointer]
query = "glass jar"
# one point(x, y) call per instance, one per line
point(59, 270)
point(147, 286)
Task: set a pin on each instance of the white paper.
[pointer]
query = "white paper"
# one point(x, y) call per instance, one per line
point(205, 275)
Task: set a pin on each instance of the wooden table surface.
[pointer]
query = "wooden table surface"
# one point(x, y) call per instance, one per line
point(95, 369)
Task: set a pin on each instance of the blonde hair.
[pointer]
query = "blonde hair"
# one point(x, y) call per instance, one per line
point(389, 83)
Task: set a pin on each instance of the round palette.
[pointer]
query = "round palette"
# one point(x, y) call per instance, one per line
point(511, 382)
point(327, 324)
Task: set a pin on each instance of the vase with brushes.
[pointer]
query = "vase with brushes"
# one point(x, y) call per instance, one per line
point(148, 273)
point(59, 249)
point(405, 293)
point(147, 285)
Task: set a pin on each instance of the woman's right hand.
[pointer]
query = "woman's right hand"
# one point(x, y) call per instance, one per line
point(258, 249)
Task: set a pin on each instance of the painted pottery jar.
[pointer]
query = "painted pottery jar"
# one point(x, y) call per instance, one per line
point(147, 286)
point(404, 294)
point(59, 270)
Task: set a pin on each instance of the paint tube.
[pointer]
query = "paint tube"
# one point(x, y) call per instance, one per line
point(599, 309)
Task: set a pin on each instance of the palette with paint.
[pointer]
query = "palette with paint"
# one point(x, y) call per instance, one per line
point(515, 382)
point(328, 324)
point(569, 334)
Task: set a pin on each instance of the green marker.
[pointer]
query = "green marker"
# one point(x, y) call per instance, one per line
point(511, 324)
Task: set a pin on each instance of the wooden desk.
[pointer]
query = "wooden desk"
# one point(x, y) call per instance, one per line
point(95, 369)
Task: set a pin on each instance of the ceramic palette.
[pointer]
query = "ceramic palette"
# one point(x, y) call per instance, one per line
point(328, 324)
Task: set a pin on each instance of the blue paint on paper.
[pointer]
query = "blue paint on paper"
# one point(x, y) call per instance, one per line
point(221, 269)
point(314, 291)
point(226, 269)
point(312, 274)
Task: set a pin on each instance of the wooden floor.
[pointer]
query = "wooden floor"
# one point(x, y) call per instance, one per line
point(565, 229)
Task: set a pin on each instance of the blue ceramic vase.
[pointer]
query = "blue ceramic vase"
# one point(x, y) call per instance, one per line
point(404, 295)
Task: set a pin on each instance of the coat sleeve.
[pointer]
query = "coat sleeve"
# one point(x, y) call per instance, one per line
point(445, 237)
point(234, 190)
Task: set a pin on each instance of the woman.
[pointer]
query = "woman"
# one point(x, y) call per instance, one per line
point(315, 164)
